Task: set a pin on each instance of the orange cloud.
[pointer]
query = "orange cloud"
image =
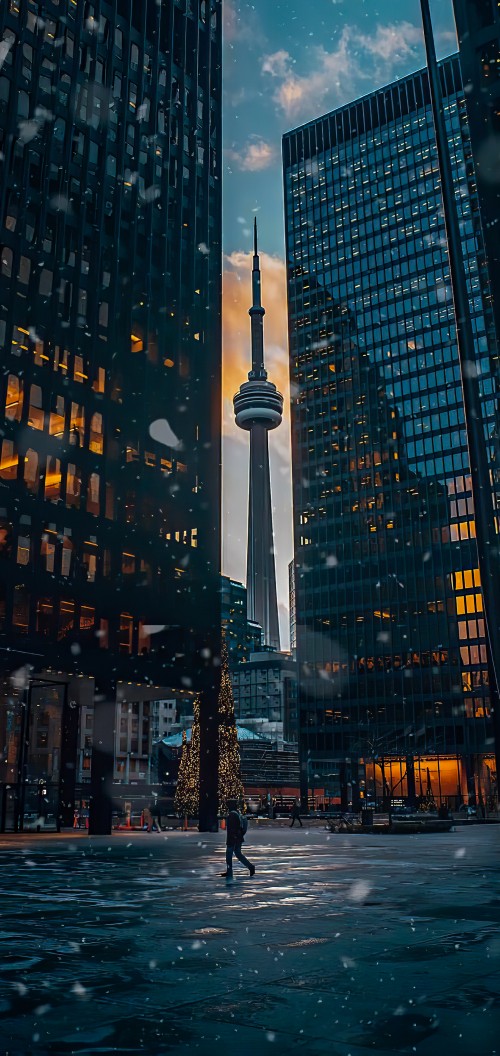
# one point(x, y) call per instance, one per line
point(236, 364)
point(254, 156)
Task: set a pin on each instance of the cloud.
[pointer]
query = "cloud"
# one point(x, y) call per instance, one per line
point(256, 155)
point(236, 364)
point(278, 64)
point(336, 75)
point(246, 27)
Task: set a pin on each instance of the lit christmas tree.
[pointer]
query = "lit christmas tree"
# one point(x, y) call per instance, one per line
point(187, 792)
point(230, 785)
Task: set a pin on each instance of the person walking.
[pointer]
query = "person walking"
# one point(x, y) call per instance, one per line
point(296, 814)
point(235, 835)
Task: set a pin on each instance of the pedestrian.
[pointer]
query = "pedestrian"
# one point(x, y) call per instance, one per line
point(147, 819)
point(235, 835)
point(296, 813)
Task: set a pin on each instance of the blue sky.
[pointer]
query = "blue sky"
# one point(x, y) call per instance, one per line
point(286, 62)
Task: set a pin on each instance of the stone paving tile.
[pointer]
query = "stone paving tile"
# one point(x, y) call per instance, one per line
point(339, 945)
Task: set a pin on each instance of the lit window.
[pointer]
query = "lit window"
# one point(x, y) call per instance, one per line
point(96, 443)
point(98, 385)
point(126, 633)
point(14, 398)
point(23, 550)
point(66, 620)
point(31, 470)
point(77, 425)
point(136, 343)
point(73, 486)
point(44, 614)
point(53, 479)
point(93, 494)
point(56, 424)
point(48, 550)
point(8, 461)
point(87, 618)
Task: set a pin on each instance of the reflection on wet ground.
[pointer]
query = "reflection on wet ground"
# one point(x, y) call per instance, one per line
point(339, 945)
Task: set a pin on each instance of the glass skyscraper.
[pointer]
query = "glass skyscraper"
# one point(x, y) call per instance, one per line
point(394, 682)
point(110, 286)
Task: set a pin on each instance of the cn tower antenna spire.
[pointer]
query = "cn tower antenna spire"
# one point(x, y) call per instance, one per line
point(257, 313)
point(258, 408)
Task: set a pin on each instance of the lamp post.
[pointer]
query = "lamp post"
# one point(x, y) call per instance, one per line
point(482, 492)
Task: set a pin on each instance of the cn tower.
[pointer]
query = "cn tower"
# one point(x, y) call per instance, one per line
point(258, 407)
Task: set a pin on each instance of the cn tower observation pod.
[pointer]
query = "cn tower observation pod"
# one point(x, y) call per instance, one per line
point(258, 408)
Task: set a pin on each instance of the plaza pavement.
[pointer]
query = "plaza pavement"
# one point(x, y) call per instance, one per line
point(341, 944)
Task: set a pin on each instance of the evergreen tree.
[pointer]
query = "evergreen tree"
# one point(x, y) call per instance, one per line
point(187, 793)
point(230, 785)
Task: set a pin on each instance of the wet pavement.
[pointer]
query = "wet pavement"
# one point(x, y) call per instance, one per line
point(341, 944)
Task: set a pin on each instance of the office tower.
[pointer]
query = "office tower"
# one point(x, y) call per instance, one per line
point(242, 636)
point(478, 28)
point(393, 695)
point(291, 602)
point(265, 694)
point(258, 408)
point(110, 283)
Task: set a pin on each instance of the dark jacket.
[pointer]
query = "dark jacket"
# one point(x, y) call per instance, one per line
point(295, 810)
point(234, 834)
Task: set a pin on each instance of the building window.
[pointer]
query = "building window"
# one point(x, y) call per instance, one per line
point(87, 618)
point(77, 425)
point(66, 621)
point(93, 494)
point(20, 610)
point(67, 550)
point(53, 479)
point(103, 634)
point(56, 424)
point(23, 550)
point(96, 438)
point(73, 485)
point(126, 633)
point(14, 399)
point(8, 461)
point(36, 416)
point(48, 551)
point(44, 616)
point(128, 564)
point(7, 256)
point(31, 470)
point(144, 640)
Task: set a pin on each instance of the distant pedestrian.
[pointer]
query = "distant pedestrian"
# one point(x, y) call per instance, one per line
point(235, 835)
point(296, 814)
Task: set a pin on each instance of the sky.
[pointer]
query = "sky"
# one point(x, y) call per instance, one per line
point(287, 62)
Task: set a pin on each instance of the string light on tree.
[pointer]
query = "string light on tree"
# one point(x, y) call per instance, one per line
point(187, 793)
point(230, 784)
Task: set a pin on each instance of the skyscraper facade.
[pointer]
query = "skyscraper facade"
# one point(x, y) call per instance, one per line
point(478, 28)
point(110, 285)
point(393, 696)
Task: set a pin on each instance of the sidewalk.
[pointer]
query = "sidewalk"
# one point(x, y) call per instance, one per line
point(339, 945)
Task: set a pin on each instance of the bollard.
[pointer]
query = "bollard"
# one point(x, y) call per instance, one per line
point(185, 825)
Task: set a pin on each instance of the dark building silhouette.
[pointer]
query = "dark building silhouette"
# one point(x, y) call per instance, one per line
point(393, 676)
point(110, 284)
point(243, 637)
